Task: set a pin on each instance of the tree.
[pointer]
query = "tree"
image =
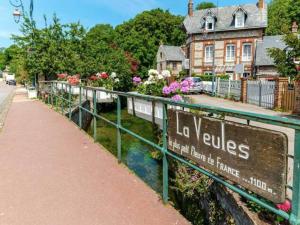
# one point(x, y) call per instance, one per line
point(205, 5)
point(281, 15)
point(2, 59)
point(103, 54)
point(142, 35)
point(284, 59)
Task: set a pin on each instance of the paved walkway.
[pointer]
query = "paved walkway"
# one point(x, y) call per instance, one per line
point(228, 104)
point(53, 174)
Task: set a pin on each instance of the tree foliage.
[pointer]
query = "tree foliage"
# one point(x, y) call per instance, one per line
point(142, 36)
point(284, 59)
point(281, 15)
point(205, 5)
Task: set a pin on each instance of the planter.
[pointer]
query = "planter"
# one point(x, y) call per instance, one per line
point(101, 96)
point(32, 93)
point(144, 109)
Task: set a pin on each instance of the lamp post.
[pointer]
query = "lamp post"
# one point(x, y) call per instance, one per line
point(19, 10)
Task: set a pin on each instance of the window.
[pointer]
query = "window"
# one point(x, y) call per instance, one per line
point(246, 75)
point(239, 19)
point(174, 65)
point(210, 23)
point(247, 52)
point(209, 53)
point(161, 55)
point(230, 53)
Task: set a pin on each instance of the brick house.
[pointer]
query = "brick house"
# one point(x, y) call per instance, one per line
point(223, 37)
point(170, 58)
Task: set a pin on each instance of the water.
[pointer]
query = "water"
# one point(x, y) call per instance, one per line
point(135, 153)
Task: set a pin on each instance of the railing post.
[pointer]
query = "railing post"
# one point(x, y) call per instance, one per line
point(62, 100)
point(52, 95)
point(260, 93)
point(70, 110)
point(229, 88)
point(119, 138)
point(80, 105)
point(94, 114)
point(165, 160)
point(56, 96)
point(295, 216)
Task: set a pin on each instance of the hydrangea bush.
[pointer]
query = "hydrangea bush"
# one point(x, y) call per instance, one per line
point(156, 85)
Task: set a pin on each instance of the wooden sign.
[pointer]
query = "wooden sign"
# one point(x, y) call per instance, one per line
point(252, 157)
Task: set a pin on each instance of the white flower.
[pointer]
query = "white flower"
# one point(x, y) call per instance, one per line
point(148, 82)
point(151, 78)
point(160, 77)
point(166, 73)
point(153, 72)
point(117, 80)
point(98, 74)
point(113, 75)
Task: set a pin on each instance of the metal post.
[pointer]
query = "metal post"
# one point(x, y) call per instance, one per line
point(119, 138)
point(165, 160)
point(52, 94)
point(62, 100)
point(80, 105)
point(56, 96)
point(70, 99)
point(229, 88)
point(95, 112)
point(260, 92)
point(295, 216)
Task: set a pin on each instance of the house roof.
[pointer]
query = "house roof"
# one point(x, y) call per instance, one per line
point(255, 18)
point(172, 53)
point(262, 57)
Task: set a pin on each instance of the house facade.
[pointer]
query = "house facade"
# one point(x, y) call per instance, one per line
point(170, 58)
point(221, 38)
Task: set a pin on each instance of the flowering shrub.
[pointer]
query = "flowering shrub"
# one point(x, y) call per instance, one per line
point(286, 206)
point(156, 85)
point(74, 80)
point(152, 86)
point(62, 77)
point(104, 80)
point(176, 90)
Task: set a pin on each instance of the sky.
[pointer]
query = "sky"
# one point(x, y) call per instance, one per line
point(91, 12)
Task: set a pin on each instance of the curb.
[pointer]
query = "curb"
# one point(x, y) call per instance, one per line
point(4, 108)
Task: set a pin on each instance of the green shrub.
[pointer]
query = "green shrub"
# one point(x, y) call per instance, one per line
point(210, 77)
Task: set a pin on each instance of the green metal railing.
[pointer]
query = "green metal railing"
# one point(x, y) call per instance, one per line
point(54, 95)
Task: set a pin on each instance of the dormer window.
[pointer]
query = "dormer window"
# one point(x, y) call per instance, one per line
point(210, 23)
point(240, 16)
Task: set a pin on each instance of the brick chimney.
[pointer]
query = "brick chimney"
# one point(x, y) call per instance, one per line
point(295, 27)
point(191, 8)
point(261, 4)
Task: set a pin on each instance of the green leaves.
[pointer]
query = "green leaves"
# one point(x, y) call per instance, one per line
point(205, 5)
point(142, 36)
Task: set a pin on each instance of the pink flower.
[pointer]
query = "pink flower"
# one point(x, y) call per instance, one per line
point(174, 87)
point(185, 83)
point(166, 90)
point(73, 80)
point(137, 80)
point(104, 75)
point(286, 206)
point(185, 89)
point(177, 98)
point(62, 76)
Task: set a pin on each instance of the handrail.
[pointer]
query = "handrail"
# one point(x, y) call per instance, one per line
point(293, 217)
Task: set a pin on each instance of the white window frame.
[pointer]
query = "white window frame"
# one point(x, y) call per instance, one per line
point(245, 56)
point(209, 20)
point(209, 53)
point(230, 53)
point(239, 19)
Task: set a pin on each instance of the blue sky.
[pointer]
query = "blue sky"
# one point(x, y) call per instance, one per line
point(91, 12)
